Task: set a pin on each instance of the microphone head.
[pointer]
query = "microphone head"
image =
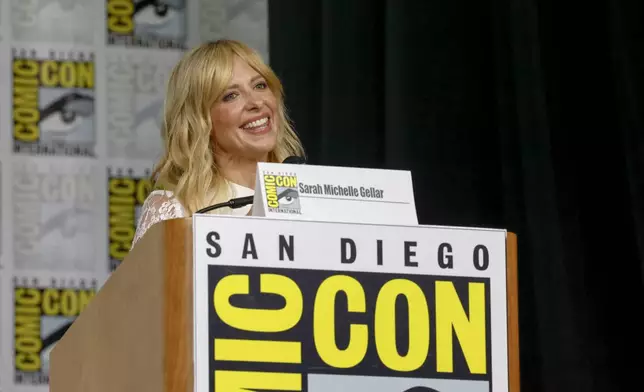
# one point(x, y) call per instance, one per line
point(293, 159)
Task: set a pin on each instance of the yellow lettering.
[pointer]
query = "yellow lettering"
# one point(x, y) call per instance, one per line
point(324, 322)
point(123, 235)
point(26, 114)
point(85, 75)
point(120, 249)
point(28, 132)
point(119, 18)
point(25, 68)
point(470, 333)
point(66, 302)
point(122, 215)
point(122, 227)
point(122, 186)
point(27, 341)
point(84, 298)
point(27, 297)
point(67, 74)
point(26, 97)
point(28, 362)
point(48, 74)
point(259, 320)
point(271, 191)
point(120, 7)
point(385, 325)
point(27, 325)
point(143, 188)
point(50, 303)
point(69, 303)
point(267, 351)
point(286, 181)
point(239, 381)
point(28, 344)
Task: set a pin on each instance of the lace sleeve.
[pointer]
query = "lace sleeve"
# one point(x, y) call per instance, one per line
point(157, 207)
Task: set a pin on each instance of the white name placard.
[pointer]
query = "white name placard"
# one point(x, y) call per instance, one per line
point(338, 194)
point(318, 306)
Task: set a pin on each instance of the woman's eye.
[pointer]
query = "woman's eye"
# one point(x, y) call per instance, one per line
point(228, 97)
point(261, 85)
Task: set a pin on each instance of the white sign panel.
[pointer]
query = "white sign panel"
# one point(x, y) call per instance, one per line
point(317, 306)
point(339, 194)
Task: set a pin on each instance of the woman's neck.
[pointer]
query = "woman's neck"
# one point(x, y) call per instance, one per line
point(240, 171)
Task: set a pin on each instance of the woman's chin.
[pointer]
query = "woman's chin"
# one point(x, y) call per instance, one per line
point(259, 148)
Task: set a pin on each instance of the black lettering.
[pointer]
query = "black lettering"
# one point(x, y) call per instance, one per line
point(288, 246)
point(409, 253)
point(445, 258)
point(343, 245)
point(481, 263)
point(249, 247)
point(211, 239)
point(379, 251)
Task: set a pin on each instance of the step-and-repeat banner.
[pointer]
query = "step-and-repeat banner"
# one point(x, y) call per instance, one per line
point(82, 84)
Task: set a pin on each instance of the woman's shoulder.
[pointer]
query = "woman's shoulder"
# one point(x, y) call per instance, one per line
point(163, 203)
point(159, 205)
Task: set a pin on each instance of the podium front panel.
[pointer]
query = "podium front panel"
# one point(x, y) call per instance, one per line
point(316, 306)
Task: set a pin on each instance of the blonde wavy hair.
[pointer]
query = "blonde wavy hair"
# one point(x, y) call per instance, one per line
point(187, 167)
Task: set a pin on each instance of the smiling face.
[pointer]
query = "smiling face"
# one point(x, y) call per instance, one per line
point(243, 117)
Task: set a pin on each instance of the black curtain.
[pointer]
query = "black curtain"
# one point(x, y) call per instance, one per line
point(515, 114)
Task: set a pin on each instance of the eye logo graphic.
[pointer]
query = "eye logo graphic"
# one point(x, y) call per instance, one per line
point(147, 23)
point(53, 103)
point(281, 193)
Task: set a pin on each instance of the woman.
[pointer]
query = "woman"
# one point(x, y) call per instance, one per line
point(224, 112)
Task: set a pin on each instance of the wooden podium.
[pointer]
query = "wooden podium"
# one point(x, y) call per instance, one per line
point(137, 333)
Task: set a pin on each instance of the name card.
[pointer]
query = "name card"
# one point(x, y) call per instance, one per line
point(338, 194)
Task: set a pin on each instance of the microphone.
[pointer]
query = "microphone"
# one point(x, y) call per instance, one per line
point(295, 160)
point(244, 201)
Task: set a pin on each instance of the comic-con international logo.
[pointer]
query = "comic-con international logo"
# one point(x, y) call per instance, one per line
point(126, 194)
point(147, 23)
point(43, 311)
point(281, 193)
point(53, 103)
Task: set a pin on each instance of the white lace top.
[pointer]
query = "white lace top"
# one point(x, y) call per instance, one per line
point(162, 205)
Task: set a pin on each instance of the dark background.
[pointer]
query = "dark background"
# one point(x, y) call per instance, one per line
point(513, 114)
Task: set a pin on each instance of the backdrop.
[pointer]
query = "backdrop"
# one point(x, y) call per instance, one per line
point(81, 89)
point(520, 114)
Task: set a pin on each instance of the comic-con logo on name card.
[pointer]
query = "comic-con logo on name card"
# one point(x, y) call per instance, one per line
point(147, 23)
point(127, 191)
point(53, 214)
point(316, 330)
point(53, 102)
point(281, 192)
point(43, 311)
point(135, 92)
point(69, 21)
